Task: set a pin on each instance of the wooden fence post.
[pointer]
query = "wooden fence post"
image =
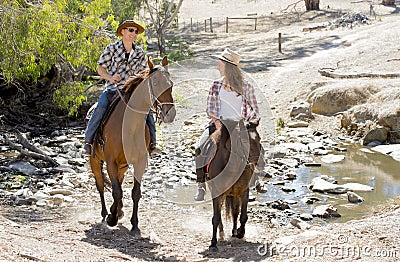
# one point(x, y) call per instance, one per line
point(280, 42)
point(255, 24)
point(211, 27)
point(191, 24)
point(227, 19)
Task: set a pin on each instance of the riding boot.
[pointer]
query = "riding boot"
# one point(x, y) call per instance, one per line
point(154, 150)
point(201, 191)
point(87, 149)
point(95, 120)
point(201, 185)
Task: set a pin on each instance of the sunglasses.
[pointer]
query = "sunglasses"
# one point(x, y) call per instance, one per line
point(132, 30)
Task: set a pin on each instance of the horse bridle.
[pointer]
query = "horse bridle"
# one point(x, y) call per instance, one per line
point(155, 104)
point(153, 99)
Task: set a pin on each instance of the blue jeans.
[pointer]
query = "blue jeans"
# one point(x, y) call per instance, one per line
point(98, 112)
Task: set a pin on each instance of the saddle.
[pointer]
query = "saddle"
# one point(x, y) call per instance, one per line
point(114, 98)
point(240, 146)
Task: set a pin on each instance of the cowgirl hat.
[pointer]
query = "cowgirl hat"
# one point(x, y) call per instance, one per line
point(229, 56)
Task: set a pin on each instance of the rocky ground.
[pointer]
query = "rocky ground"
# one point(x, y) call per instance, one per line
point(58, 218)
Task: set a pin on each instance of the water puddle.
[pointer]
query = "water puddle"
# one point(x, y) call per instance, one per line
point(374, 169)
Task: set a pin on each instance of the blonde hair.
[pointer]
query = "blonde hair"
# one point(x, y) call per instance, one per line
point(234, 77)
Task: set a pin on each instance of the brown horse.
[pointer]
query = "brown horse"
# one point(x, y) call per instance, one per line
point(230, 172)
point(126, 138)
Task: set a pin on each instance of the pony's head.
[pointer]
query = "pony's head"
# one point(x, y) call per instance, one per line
point(256, 153)
point(160, 86)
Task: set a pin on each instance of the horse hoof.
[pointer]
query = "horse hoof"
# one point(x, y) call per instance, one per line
point(111, 221)
point(121, 215)
point(135, 233)
point(213, 249)
point(240, 234)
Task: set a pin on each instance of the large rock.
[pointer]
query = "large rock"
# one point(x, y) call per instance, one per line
point(383, 108)
point(325, 211)
point(301, 111)
point(379, 133)
point(319, 184)
point(329, 100)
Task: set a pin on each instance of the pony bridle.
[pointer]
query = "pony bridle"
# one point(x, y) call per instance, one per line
point(155, 104)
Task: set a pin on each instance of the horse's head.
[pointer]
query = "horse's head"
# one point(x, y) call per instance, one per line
point(249, 138)
point(160, 87)
point(256, 154)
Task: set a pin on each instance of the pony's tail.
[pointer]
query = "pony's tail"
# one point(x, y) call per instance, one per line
point(228, 206)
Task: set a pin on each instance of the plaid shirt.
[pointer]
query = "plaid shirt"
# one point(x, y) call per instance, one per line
point(113, 60)
point(249, 102)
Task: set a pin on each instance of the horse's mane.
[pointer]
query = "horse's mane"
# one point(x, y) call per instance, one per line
point(134, 81)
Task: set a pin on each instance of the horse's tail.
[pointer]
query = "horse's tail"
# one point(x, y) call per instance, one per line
point(229, 199)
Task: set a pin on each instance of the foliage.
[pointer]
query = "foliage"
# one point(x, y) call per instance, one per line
point(70, 96)
point(178, 49)
point(124, 10)
point(280, 123)
point(34, 36)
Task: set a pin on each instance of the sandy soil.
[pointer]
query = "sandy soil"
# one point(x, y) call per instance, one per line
point(170, 232)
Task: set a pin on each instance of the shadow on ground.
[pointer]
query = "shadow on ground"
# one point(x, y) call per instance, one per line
point(119, 239)
point(236, 250)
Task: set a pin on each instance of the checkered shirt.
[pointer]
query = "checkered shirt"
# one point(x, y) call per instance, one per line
point(113, 60)
point(249, 106)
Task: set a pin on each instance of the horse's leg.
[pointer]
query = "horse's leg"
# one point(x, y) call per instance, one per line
point(120, 212)
point(243, 214)
point(136, 195)
point(235, 214)
point(112, 169)
point(216, 221)
point(97, 169)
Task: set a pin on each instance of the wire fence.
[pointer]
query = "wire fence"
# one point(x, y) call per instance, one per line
point(219, 24)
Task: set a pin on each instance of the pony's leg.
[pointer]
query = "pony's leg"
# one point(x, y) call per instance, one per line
point(136, 195)
point(216, 220)
point(243, 214)
point(97, 169)
point(112, 169)
point(235, 214)
point(221, 230)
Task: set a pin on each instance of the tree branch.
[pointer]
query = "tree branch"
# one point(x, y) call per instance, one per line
point(331, 74)
point(30, 154)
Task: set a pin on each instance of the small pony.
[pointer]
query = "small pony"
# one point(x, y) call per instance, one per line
point(126, 137)
point(229, 173)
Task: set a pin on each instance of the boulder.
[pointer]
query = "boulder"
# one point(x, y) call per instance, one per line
point(329, 100)
point(379, 133)
point(354, 198)
point(325, 211)
point(301, 111)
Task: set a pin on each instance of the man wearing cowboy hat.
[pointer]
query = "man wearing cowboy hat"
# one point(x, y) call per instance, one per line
point(117, 63)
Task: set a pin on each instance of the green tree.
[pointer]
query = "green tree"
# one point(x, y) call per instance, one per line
point(63, 36)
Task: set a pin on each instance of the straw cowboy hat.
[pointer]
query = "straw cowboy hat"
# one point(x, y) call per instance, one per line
point(229, 56)
point(129, 23)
